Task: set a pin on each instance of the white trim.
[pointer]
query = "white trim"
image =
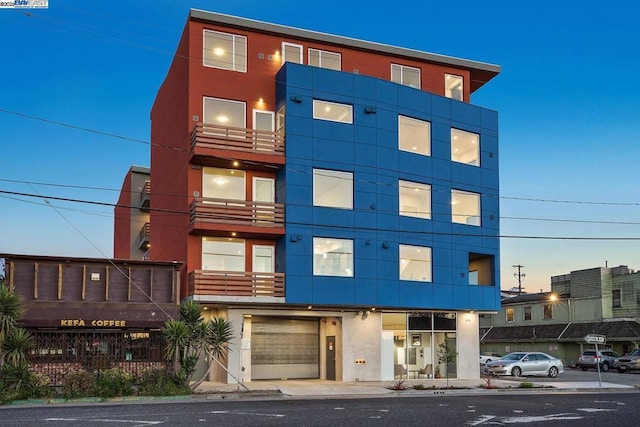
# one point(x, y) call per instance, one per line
point(253, 258)
point(271, 113)
point(320, 52)
point(446, 86)
point(244, 107)
point(406, 67)
point(284, 59)
point(327, 105)
point(273, 189)
point(234, 37)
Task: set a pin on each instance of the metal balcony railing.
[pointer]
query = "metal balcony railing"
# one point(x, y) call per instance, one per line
point(145, 195)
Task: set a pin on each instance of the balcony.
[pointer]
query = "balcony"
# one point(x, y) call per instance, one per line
point(212, 141)
point(143, 236)
point(237, 215)
point(145, 196)
point(231, 286)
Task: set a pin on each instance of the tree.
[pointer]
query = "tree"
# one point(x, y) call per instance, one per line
point(446, 354)
point(190, 337)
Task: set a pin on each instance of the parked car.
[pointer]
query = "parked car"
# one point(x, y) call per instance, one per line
point(523, 363)
point(590, 359)
point(630, 362)
point(488, 357)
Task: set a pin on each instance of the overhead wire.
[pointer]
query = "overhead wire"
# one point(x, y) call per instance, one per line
point(502, 197)
point(329, 226)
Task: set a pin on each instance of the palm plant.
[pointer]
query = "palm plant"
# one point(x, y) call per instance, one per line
point(11, 311)
point(16, 345)
point(190, 337)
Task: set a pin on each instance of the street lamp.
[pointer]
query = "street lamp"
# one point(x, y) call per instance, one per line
point(554, 298)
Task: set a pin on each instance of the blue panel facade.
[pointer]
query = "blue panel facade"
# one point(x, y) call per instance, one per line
point(368, 148)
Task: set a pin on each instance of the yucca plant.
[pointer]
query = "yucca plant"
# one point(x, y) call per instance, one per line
point(11, 311)
point(16, 345)
point(189, 338)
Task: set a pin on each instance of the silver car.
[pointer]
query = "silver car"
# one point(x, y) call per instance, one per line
point(524, 363)
point(630, 362)
point(607, 359)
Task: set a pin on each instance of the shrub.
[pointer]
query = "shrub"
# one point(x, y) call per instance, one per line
point(488, 382)
point(526, 384)
point(423, 387)
point(17, 382)
point(79, 384)
point(160, 382)
point(114, 382)
point(398, 385)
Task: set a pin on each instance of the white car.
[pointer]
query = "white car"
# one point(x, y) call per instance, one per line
point(488, 357)
point(524, 363)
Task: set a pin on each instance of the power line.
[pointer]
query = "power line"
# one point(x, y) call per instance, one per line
point(417, 212)
point(178, 212)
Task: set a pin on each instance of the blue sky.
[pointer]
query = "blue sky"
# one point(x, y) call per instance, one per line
point(567, 97)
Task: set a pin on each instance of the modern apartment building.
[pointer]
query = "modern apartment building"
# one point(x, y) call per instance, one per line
point(336, 199)
point(132, 215)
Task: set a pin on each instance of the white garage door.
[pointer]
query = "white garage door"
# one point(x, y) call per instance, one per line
point(284, 348)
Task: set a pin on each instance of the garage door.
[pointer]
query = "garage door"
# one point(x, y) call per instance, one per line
point(284, 348)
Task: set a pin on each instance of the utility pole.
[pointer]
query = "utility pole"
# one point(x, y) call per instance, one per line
point(520, 276)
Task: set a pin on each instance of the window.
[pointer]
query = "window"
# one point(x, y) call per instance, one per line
point(415, 263)
point(465, 207)
point(473, 277)
point(280, 120)
point(453, 87)
point(226, 51)
point(527, 312)
point(263, 120)
point(408, 76)
point(324, 59)
point(331, 111)
point(465, 147)
point(222, 254)
point(414, 135)
point(332, 257)
point(226, 113)
point(615, 298)
point(548, 312)
point(263, 259)
point(332, 189)
point(291, 53)
point(223, 183)
point(509, 314)
point(415, 199)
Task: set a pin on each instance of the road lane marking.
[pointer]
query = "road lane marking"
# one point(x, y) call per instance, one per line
point(481, 420)
point(249, 413)
point(540, 418)
point(100, 420)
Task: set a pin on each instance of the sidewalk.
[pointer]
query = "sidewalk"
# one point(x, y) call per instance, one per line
point(322, 389)
point(316, 388)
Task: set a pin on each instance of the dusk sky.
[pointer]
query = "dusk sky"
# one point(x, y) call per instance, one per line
point(78, 81)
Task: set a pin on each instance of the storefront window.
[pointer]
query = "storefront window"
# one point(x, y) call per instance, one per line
point(417, 337)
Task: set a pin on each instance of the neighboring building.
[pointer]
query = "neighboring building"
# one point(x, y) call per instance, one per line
point(601, 301)
point(131, 215)
point(87, 313)
point(336, 199)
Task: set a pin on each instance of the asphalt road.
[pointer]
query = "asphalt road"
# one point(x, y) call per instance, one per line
point(534, 408)
point(569, 375)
